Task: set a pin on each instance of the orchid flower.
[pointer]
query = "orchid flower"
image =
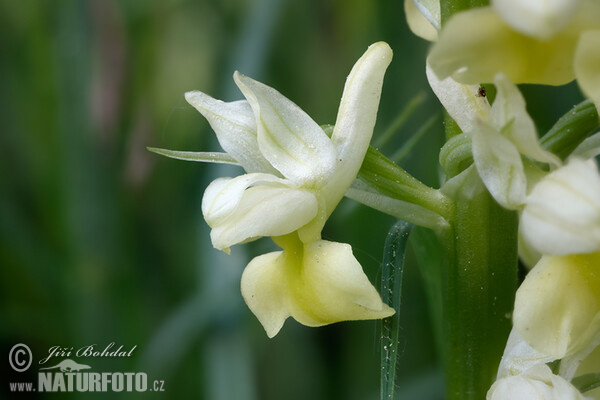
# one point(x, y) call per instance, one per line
point(534, 41)
point(524, 374)
point(295, 176)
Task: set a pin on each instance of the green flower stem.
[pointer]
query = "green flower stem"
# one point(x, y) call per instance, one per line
point(392, 181)
point(479, 279)
point(479, 282)
point(571, 129)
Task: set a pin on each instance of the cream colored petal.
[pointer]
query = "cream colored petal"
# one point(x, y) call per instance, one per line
point(265, 291)
point(332, 287)
point(418, 23)
point(587, 65)
point(500, 167)
point(557, 307)
point(235, 127)
point(537, 383)
point(562, 213)
point(287, 137)
point(317, 284)
point(510, 116)
point(476, 44)
point(537, 18)
point(223, 195)
point(264, 211)
point(356, 119)
point(463, 102)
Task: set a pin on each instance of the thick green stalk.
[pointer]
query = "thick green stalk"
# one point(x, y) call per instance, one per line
point(478, 286)
point(479, 278)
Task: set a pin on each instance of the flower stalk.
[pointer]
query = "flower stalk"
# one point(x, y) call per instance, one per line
point(479, 277)
point(478, 285)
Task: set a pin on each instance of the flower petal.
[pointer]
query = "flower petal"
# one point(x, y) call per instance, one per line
point(557, 307)
point(562, 212)
point(536, 18)
point(519, 356)
point(510, 116)
point(287, 137)
point(264, 289)
point(418, 23)
point(223, 195)
point(265, 211)
point(476, 44)
point(356, 118)
point(463, 102)
point(587, 65)
point(500, 166)
point(235, 127)
point(537, 383)
point(317, 284)
point(332, 287)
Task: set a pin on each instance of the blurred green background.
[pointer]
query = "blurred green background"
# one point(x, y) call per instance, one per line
point(102, 241)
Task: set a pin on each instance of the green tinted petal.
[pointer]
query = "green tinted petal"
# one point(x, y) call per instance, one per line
point(587, 65)
point(476, 44)
point(537, 18)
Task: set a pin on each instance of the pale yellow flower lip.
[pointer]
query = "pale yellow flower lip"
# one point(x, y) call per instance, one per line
point(316, 284)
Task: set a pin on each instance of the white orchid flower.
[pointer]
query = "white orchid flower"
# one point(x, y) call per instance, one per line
point(296, 175)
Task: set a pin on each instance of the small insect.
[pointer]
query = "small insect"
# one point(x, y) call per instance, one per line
point(480, 92)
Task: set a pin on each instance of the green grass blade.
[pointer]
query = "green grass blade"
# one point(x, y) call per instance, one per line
point(391, 290)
